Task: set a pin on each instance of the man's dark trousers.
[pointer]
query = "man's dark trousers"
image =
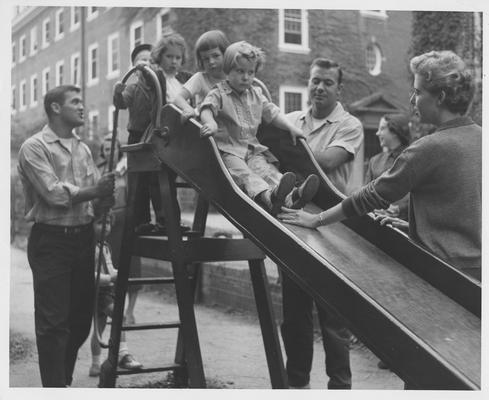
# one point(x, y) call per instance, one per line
point(298, 337)
point(63, 270)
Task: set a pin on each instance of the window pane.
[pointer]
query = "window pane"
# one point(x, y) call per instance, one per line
point(293, 26)
point(293, 102)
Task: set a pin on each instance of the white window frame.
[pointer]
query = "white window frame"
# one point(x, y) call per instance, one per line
point(111, 74)
point(302, 48)
point(33, 41)
point(377, 14)
point(45, 43)
point(33, 102)
point(74, 25)
point(159, 29)
point(72, 69)
point(302, 90)
point(91, 114)
point(14, 55)
point(13, 98)
point(377, 68)
point(134, 26)
point(58, 35)
point(60, 63)
point(93, 81)
point(44, 81)
point(91, 15)
point(22, 46)
point(110, 119)
point(22, 95)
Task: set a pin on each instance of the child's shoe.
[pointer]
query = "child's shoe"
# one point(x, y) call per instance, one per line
point(129, 362)
point(305, 192)
point(144, 229)
point(94, 370)
point(280, 192)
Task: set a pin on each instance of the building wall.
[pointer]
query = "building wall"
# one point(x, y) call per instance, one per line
point(338, 34)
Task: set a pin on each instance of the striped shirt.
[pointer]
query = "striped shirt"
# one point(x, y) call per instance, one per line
point(51, 175)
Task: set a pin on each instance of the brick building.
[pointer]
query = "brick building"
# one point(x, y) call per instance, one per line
point(47, 45)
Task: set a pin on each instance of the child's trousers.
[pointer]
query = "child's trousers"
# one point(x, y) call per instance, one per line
point(254, 174)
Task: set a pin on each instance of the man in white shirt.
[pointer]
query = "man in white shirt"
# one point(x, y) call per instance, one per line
point(336, 140)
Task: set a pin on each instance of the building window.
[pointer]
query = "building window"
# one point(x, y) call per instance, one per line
point(34, 92)
point(23, 96)
point(46, 32)
point(60, 66)
point(93, 64)
point(13, 100)
point(14, 55)
point(59, 24)
point(75, 69)
point(45, 81)
point(92, 13)
point(92, 124)
point(113, 56)
point(377, 14)
point(137, 36)
point(292, 98)
point(22, 48)
point(373, 55)
point(34, 43)
point(293, 31)
point(75, 18)
point(162, 22)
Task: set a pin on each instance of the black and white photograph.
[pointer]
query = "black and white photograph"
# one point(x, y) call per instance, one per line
point(217, 195)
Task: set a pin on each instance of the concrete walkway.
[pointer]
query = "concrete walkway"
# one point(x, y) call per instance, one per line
point(231, 343)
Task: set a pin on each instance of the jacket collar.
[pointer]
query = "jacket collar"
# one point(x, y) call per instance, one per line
point(454, 123)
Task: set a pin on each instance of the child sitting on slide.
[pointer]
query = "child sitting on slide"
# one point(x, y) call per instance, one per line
point(232, 112)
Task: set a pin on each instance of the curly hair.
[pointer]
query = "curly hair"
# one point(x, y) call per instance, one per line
point(444, 71)
point(244, 50)
point(168, 39)
point(208, 41)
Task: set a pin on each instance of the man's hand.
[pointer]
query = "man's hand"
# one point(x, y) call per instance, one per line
point(295, 133)
point(119, 87)
point(105, 185)
point(208, 129)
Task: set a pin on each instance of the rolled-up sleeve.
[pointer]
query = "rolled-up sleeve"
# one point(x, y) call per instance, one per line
point(270, 110)
point(36, 168)
point(349, 136)
point(212, 101)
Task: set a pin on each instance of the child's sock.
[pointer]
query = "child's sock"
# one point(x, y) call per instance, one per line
point(95, 359)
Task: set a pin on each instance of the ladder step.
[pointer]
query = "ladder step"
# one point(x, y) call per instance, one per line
point(140, 327)
point(149, 281)
point(169, 367)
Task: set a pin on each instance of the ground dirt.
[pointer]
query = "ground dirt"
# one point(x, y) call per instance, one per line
point(231, 345)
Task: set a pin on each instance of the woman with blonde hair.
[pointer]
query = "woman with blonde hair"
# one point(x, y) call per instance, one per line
point(441, 172)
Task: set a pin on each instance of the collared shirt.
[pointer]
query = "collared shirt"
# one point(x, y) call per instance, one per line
point(238, 116)
point(199, 85)
point(443, 174)
point(51, 175)
point(339, 129)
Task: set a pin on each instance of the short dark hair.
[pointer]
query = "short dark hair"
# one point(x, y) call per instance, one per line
point(138, 49)
point(210, 40)
point(57, 95)
point(399, 124)
point(327, 64)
